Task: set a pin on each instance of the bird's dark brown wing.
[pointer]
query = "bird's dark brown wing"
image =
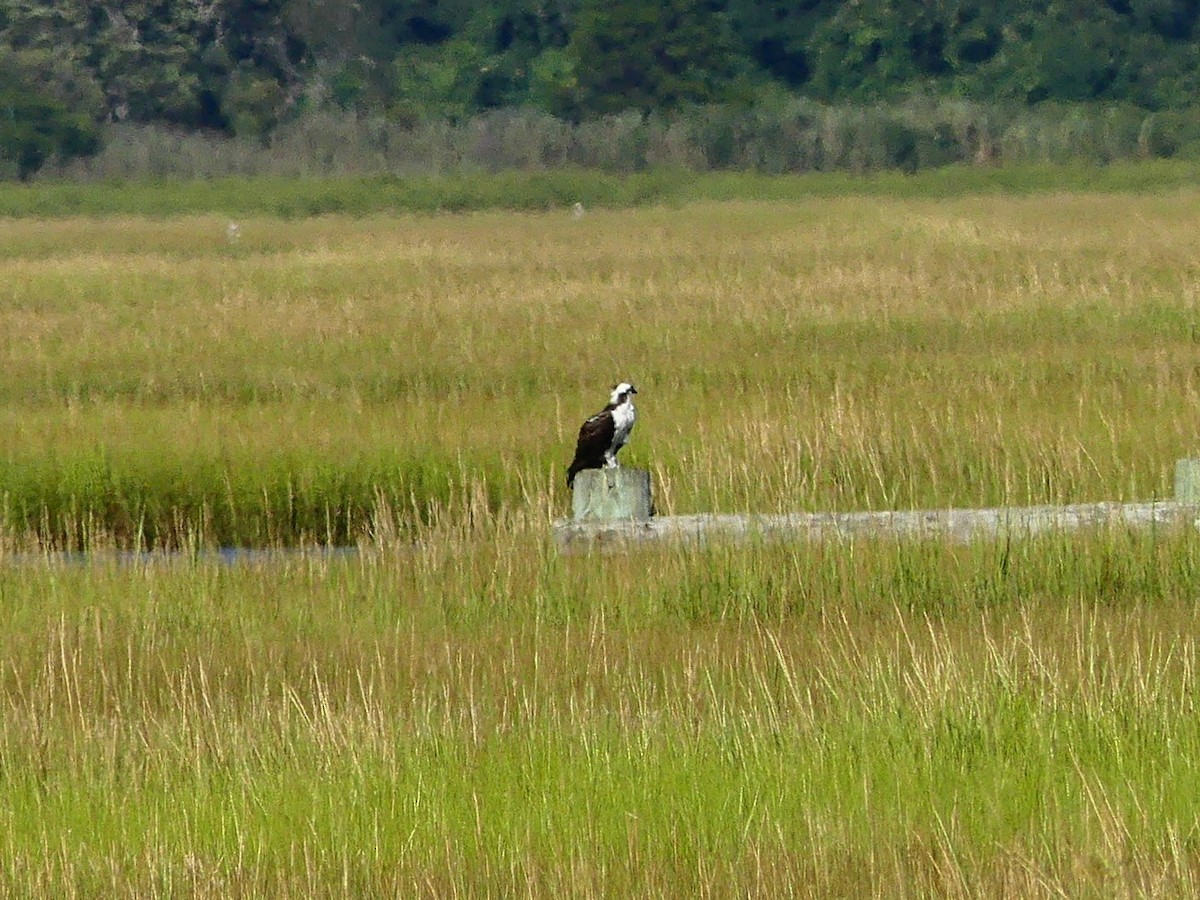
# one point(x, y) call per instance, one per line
point(595, 437)
point(596, 432)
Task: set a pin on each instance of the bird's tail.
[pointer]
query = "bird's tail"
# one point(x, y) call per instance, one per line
point(571, 473)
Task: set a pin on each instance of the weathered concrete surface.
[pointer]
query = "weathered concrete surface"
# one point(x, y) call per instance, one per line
point(1187, 480)
point(959, 525)
point(606, 495)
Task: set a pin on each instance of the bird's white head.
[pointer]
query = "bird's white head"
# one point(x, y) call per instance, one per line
point(622, 392)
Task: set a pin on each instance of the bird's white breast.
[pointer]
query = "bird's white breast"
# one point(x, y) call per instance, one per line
point(623, 417)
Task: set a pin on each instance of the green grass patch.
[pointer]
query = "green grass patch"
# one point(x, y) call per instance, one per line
point(471, 716)
point(372, 195)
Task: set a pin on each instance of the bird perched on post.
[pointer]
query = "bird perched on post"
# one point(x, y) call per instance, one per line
point(605, 433)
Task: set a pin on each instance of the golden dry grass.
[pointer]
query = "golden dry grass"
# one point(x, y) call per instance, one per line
point(836, 353)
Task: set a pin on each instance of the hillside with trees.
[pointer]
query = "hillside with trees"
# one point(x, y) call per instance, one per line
point(73, 73)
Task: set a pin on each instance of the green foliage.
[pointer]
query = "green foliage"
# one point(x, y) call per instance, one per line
point(1040, 69)
point(142, 52)
point(1170, 133)
point(864, 53)
point(248, 67)
point(234, 64)
point(34, 126)
point(553, 81)
point(777, 35)
point(646, 55)
point(438, 82)
point(252, 102)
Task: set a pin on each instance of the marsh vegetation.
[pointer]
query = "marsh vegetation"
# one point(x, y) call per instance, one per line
point(458, 709)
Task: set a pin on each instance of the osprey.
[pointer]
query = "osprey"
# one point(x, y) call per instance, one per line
point(603, 434)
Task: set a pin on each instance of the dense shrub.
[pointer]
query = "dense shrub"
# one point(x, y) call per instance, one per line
point(781, 136)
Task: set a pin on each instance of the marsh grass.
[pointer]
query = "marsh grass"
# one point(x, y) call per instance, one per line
point(457, 709)
point(480, 715)
point(303, 195)
point(162, 384)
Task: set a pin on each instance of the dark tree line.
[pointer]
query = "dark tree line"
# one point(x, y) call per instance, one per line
point(243, 66)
